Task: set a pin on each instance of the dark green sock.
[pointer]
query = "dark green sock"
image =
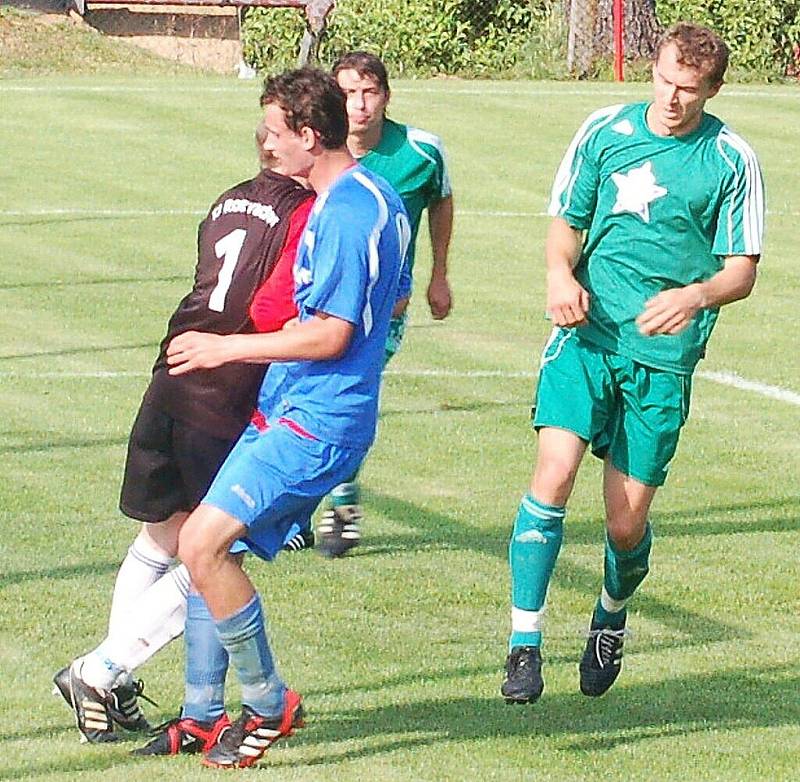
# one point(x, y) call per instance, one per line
point(623, 572)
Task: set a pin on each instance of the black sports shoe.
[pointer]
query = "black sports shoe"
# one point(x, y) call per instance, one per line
point(90, 706)
point(183, 735)
point(246, 741)
point(302, 540)
point(523, 682)
point(123, 706)
point(602, 659)
point(339, 531)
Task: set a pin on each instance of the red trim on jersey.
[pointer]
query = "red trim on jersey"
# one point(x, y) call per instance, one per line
point(259, 420)
point(296, 428)
point(273, 304)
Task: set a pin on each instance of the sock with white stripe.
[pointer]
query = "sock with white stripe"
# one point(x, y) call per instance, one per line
point(157, 617)
point(143, 565)
point(206, 664)
point(623, 572)
point(244, 637)
point(532, 553)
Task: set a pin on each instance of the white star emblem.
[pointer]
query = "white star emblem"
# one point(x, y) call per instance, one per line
point(636, 190)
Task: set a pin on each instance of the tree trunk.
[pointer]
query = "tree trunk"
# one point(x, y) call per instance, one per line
point(591, 35)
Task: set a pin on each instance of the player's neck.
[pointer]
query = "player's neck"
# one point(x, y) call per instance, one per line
point(328, 167)
point(361, 143)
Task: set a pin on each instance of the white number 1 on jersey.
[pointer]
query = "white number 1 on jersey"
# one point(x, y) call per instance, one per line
point(228, 247)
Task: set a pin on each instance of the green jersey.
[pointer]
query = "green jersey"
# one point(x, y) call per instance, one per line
point(412, 162)
point(659, 212)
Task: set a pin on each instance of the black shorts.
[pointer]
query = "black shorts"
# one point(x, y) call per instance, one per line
point(169, 467)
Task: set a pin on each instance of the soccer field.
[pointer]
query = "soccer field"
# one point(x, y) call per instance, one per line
point(398, 649)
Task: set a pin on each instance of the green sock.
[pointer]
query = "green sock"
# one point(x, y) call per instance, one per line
point(532, 553)
point(623, 572)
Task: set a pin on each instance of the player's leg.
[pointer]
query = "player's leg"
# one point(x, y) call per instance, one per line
point(239, 620)
point(169, 466)
point(339, 529)
point(267, 483)
point(571, 393)
point(643, 437)
point(532, 553)
point(202, 719)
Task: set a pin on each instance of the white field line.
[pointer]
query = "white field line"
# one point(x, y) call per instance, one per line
point(730, 379)
point(123, 213)
point(487, 89)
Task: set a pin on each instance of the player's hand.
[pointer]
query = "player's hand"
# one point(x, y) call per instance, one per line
point(567, 300)
point(670, 311)
point(195, 350)
point(400, 306)
point(440, 299)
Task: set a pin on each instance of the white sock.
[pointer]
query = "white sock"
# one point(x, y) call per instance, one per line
point(158, 616)
point(143, 565)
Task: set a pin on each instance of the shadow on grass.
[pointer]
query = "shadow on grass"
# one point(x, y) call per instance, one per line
point(50, 284)
point(65, 444)
point(433, 527)
point(728, 700)
point(49, 574)
point(80, 351)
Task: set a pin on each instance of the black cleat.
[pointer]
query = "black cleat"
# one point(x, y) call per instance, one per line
point(602, 659)
point(246, 741)
point(523, 682)
point(183, 736)
point(90, 706)
point(302, 540)
point(339, 531)
point(123, 706)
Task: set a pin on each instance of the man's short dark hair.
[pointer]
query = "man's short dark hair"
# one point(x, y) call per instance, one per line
point(310, 98)
point(698, 47)
point(366, 65)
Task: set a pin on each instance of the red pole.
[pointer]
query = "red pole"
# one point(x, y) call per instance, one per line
point(618, 13)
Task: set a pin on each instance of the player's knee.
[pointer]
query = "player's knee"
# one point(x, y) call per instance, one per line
point(553, 480)
point(164, 535)
point(626, 531)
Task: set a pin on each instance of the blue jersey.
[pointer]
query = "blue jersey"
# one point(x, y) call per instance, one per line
point(350, 265)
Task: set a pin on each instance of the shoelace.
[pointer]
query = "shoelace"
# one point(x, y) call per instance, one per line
point(138, 690)
point(606, 643)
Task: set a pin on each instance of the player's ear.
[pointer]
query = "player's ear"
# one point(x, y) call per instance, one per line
point(309, 137)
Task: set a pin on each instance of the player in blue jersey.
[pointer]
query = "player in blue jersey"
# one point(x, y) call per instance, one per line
point(657, 222)
point(317, 407)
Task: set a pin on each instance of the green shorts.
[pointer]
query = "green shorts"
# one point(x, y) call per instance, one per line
point(627, 411)
point(397, 328)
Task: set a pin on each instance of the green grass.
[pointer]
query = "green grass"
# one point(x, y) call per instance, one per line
point(397, 649)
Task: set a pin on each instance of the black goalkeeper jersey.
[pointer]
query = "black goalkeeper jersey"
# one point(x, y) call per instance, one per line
point(238, 244)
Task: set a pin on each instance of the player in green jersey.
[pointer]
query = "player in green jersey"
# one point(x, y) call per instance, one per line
point(657, 222)
point(413, 162)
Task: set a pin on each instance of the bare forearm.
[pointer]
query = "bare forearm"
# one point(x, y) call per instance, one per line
point(732, 283)
point(562, 247)
point(440, 225)
point(317, 339)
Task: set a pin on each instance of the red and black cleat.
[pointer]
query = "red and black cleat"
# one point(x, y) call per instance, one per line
point(246, 741)
point(183, 735)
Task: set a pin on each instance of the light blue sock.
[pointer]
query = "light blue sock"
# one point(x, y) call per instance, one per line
point(532, 553)
point(206, 664)
point(244, 637)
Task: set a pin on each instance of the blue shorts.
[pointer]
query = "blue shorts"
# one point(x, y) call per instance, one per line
point(275, 477)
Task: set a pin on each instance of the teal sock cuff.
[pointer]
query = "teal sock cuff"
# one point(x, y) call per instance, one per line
point(542, 509)
point(642, 547)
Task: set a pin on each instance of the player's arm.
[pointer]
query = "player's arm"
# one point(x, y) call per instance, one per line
point(671, 311)
point(273, 304)
point(319, 338)
point(567, 301)
point(440, 227)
